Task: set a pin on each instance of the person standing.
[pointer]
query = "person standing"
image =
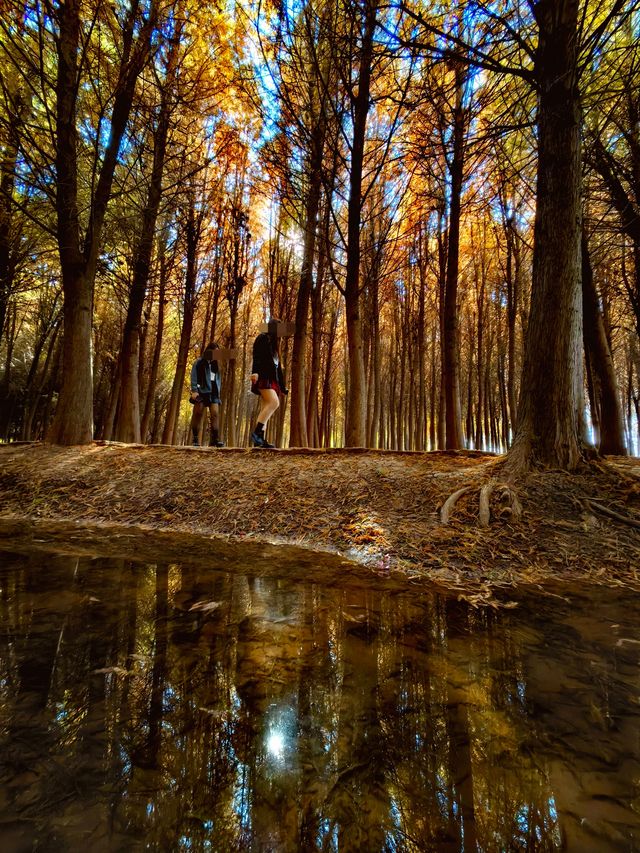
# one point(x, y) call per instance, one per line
point(205, 394)
point(267, 380)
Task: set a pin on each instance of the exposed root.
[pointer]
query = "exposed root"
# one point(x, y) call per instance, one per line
point(448, 505)
point(484, 512)
point(510, 503)
point(611, 513)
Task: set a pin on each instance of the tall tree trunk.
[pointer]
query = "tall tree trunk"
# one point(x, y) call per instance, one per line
point(230, 407)
point(486, 419)
point(433, 391)
point(504, 409)
point(625, 202)
point(480, 305)
point(193, 233)
point(32, 393)
point(470, 374)
point(327, 408)
point(479, 437)
point(128, 424)
point(313, 431)
point(401, 418)
point(442, 275)
point(298, 426)
point(6, 406)
point(157, 347)
point(373, 431)
point(7, 183)
point(355, 409)
point(73, 421)
point(421, 438)
point(513, 296)
point(597, 350)
point(106, 432)
point(51, 382)
point(548, 427)
point(451, 345)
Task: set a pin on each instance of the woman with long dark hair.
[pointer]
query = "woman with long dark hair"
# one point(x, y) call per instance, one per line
point(267, 380)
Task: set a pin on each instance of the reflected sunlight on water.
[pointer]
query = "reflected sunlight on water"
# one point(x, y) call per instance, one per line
point(171, 707)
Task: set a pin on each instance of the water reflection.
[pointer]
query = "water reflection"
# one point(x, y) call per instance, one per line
point(168, 707)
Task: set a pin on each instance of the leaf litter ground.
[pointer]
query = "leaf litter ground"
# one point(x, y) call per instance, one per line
point(377, 509)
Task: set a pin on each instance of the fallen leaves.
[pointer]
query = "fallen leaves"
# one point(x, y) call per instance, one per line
point(378, 507)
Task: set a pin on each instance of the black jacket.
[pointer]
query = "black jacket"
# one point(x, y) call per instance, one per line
point(263, 363)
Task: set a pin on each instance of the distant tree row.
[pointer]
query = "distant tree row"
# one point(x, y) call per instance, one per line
point(445, 200)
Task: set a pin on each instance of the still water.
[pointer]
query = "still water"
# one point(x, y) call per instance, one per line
point(179, 708)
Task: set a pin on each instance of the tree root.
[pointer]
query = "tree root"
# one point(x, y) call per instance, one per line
point(594, 506)
point(508, 498)
point(448, 505)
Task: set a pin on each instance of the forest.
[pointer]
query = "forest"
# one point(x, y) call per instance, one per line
point(444, 198)
point(407, 619)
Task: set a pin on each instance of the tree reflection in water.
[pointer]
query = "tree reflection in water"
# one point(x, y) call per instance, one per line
point(166, 707)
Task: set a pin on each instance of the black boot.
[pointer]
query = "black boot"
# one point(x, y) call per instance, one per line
point(196, 443)
point(257, 436)
point(214, 441)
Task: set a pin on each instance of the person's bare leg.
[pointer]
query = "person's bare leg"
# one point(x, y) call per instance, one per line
point(268, 404)
point(214, 423)
point(196, 420)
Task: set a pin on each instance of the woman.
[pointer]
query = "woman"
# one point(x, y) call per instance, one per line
point(205, 393)
point(267, 380)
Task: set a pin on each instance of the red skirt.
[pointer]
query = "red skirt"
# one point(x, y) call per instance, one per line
point(265, 384)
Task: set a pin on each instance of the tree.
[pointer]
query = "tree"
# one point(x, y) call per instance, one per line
point(548, 427)
point(15, 106)
point(359, 93)
point(451, 337)
point(128, 423)
point(237, 244)
point(191, 226)
point(606, 398)
point(303, 50)
point(73, 423)
point(612, 147)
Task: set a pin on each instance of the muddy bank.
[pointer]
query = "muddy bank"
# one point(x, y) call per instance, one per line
point(376, 509)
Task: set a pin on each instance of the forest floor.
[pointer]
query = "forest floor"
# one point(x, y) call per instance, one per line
point(378, 510)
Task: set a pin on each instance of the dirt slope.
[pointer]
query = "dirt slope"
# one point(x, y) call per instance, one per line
point(379, 508)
